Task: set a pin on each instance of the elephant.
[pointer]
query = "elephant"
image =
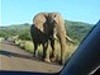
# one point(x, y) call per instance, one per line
point(47, 27)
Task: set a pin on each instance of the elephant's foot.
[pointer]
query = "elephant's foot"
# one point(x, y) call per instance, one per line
point(61, 62)
point(53, 59)
point(47, 60)
point(34, 54)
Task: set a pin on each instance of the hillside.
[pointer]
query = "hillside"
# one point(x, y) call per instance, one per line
point(75, 30)
point(12, 30)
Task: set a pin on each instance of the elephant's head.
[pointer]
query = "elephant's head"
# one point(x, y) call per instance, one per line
point(51, 18)
point(49, 25)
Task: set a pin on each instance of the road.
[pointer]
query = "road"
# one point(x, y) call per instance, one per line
point(17, 59)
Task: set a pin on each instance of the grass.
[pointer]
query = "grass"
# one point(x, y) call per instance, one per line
point(29, 47)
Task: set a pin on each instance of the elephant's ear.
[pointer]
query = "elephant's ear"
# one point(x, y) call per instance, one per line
point(46, 16)
point(54, 15)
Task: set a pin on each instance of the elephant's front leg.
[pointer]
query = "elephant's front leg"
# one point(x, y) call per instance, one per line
point(35, 48)
point(63, 49)
point(45, 56)
point(53, 50)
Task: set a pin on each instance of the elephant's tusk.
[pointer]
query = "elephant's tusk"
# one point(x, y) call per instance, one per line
point(69, 39)
point(55, 37)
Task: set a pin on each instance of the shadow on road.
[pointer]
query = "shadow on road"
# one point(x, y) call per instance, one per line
point(12, 54)
point(9, 43)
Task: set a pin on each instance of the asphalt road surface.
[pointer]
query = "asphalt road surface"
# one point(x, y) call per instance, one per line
point(17, 59)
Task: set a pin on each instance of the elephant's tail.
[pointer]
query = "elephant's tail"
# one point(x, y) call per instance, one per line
point(69, 39)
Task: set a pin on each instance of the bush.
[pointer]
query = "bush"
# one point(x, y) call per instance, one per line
point(17, 42)
point(29, 46)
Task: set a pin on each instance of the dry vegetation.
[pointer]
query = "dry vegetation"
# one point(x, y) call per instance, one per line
point(29, 47)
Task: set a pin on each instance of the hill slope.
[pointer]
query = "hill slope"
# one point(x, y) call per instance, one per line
point(75, 30)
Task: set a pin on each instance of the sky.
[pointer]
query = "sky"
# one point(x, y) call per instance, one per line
point(22, 11)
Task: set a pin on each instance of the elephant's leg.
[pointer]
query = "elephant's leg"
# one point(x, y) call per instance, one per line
point(63, 49)
point(35, 49)
point(53, 49)
point(45, 56)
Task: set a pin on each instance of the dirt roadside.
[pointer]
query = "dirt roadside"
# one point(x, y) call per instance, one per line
point(14, 58)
